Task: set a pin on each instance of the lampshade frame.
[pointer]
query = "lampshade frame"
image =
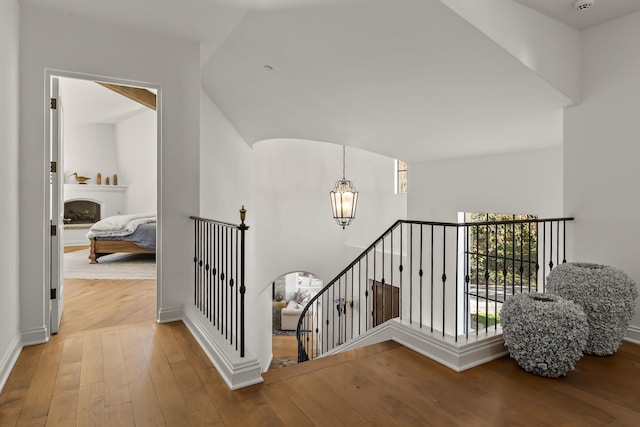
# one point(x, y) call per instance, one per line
point(344, 199)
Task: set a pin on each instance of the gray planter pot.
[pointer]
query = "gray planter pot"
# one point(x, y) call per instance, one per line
point(545, 334)
point(607, 296)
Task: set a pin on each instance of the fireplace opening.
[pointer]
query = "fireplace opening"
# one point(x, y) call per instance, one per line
point(81, 212)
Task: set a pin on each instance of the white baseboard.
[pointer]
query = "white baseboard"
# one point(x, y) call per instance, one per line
point(166, 315)
point(237, 372)
point(9, 360)
point(633, 334)
point(266, 368)
point(35, 336)
point(457, 355)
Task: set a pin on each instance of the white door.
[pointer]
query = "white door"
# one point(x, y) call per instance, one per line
point(57, 209)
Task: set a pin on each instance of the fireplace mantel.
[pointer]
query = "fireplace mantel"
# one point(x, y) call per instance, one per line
point(88, 188)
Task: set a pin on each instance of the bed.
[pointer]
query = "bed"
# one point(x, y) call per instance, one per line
point(122, 233)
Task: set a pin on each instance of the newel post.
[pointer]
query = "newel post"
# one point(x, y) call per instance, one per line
point(242, 227)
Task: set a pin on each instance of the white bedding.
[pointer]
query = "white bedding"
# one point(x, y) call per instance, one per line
point(119, 225)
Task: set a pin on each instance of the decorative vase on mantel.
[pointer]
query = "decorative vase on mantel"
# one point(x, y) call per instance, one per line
point(99, 179)
point(107, 181)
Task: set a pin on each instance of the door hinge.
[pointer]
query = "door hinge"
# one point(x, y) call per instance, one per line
point(54, 167)
point(54, 103)
point(54, 293)
point(54, 230)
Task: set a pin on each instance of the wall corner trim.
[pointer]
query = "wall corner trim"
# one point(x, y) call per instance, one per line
point(633, 334)
point(237, 372)
point(9, 360)
point(458, 355)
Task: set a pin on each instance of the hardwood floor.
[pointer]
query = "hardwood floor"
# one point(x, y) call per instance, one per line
point(284, 346)
point(117, 370)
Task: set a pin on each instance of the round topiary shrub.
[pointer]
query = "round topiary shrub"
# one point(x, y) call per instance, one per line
point(545, 334)
point(606, 294)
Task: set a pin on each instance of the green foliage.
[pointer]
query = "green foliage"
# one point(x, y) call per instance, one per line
point(481, 318)
point(503, 254)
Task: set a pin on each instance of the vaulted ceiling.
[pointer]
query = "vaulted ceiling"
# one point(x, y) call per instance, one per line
point(405, 78)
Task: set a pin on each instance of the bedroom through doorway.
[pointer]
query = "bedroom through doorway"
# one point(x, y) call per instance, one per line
point(108, 143)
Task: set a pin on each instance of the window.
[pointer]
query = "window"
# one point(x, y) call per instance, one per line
point(401, 177)
point(502, 260)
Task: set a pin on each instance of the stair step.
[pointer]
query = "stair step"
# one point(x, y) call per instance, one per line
point(291, 371)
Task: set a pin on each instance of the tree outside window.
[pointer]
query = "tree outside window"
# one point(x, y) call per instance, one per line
point(502, 261)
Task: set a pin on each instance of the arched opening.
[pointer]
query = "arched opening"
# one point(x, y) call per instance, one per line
point(289, 294)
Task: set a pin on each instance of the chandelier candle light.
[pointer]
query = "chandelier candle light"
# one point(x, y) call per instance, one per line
point(344, 198)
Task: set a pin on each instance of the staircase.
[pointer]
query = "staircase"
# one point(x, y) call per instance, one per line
point(435, 287)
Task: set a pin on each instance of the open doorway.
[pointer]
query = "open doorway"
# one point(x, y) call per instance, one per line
point(108, 147)
point(289, 294)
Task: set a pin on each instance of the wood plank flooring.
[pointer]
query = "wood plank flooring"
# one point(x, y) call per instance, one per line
point(130, 371)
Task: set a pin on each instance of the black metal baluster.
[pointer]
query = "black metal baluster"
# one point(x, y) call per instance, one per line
point(374, 294)
point(195, 263)
point(521, 269)
point(495, 282)
point(564, 241)
point(366, 293)
point(421, 273)
point(529, 256)
point(477, 292)
point(384, 311)
point(487, 260)
point(557, 242)
point(550, 246)
point(351, 304)
point(544, 255)
point(196, 270)
point(329, 306)
point(513, 257)
point(200, 263)
point(391, 277)
point(456, 288)
point(207, 284)
point(333, 317)
point(444, 275)
point(359, 296)
point(232, 282)
point(467, 279)
point(225, 316)
point(220, 278)
point(237, 287)
point(432, 282)
point(400, 268)
point(411, 274)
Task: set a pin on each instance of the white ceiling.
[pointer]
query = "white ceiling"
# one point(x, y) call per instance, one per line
point(405, 78)
point(86, 102)
point(565, 11)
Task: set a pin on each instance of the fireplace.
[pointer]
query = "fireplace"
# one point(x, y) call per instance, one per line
point(86, 204)
point(81, 212)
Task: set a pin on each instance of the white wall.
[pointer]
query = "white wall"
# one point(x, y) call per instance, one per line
point(9, 218)
point(602, 149)
point(296, 229)
point(528, 182)
point(136, 150)
point(285, 186)
point(226, 165)
point(60, 41)
point(89, 149)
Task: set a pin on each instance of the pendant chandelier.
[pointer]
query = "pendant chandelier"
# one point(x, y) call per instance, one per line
point(344, 198)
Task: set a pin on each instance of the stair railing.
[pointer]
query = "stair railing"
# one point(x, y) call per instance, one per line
point(444, 278)
point(219, 274)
